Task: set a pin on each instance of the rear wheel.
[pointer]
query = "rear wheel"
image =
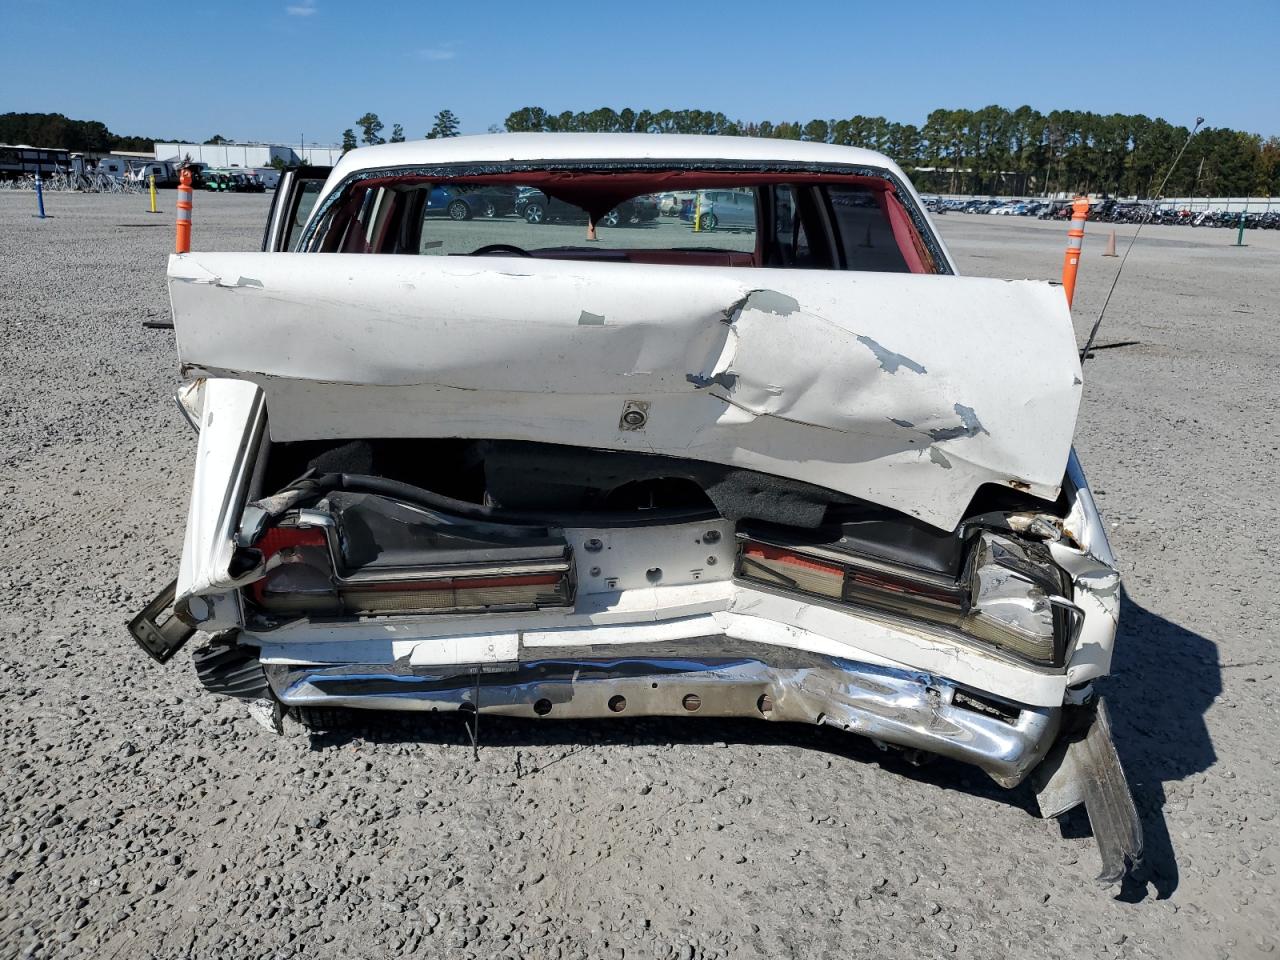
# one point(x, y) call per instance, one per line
point(459, 211)
point(610, 219)
point(534, 213)
point(490, 210)
point(321, 719)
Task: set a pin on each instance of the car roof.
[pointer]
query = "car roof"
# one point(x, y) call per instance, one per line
point(507, 147)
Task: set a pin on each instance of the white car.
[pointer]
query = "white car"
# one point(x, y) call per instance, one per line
point(799, 472)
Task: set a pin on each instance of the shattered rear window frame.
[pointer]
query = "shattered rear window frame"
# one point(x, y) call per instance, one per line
point(455, 170)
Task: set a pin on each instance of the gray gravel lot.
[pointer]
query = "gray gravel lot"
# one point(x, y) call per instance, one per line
point(141, 817)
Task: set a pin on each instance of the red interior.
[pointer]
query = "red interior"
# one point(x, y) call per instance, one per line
point(597, 192)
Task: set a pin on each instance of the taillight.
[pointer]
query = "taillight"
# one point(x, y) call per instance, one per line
point(760, 561)
point(1018, 599)
point(458, 594)
point(1012, 595)
point(289, 539)
point(304, 576)
point(299, 577)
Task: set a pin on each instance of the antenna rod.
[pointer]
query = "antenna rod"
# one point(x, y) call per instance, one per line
point(1084, 354)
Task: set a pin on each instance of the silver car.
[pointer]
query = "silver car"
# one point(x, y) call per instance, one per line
point(725, 209)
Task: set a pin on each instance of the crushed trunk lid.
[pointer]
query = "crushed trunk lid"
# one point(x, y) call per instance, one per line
point(906, 390)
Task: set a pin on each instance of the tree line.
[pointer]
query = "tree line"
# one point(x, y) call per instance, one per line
point(55, 131)
point(993, 150)
point(446, 125)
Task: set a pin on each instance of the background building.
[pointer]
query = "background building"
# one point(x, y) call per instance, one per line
point(251, 155)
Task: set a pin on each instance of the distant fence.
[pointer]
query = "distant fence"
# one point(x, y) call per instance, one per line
point(1195, 204)
point(76, 183)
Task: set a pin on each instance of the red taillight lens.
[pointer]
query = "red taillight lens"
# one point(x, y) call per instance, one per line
point(853, 581)
point(299, 577)
point(769, 564)
point(278, 539)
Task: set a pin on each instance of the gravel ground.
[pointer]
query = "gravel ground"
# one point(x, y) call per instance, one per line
point(140, 817)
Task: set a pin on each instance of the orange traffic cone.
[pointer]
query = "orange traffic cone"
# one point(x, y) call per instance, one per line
point(1111, 245)
point(1075, 239)
point(182, 242)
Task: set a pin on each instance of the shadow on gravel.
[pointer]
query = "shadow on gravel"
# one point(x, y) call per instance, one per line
point(1165, 677)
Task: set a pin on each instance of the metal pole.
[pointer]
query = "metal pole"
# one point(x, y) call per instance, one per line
point(1240, 233)
point(40, 195)
point(152, 183)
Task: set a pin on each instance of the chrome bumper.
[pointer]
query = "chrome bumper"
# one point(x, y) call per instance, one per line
point(903, 708)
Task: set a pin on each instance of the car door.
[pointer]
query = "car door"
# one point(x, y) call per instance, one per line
point(437, 202)
point(741, 210)
point(295, 195)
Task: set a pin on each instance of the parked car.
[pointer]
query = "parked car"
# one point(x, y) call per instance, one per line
point(723, 210)
point(537, 207)
point(821, 478)
point(464, 204)
point(670, 204)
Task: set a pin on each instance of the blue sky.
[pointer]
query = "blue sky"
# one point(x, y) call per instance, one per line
point(284, 69)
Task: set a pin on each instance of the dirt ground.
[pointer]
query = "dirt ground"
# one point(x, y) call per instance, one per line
point(141, 817)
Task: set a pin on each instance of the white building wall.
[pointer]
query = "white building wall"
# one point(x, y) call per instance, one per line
point(318, 156)
point(248, 155)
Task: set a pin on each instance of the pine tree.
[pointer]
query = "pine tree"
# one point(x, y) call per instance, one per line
point(446, 125)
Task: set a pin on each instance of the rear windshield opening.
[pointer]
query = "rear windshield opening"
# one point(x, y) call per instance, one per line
point(849, 223)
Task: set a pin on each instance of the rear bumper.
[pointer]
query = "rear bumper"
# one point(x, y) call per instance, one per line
point(903, 708)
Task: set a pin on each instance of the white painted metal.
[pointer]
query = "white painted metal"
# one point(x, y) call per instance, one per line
point(231, 419)
point(905, 390)
point(481, 648)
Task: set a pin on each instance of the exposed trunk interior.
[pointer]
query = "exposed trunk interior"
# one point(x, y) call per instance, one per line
point(523, 483)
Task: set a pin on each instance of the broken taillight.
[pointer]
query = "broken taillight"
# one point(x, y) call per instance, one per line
point(1011, 596)
point(299, 571)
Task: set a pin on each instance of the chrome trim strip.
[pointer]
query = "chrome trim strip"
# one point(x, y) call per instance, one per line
point(901, 707)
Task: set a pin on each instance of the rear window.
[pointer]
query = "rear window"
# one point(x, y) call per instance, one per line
point(844, 225)
point(461, 219)
point(864, 230)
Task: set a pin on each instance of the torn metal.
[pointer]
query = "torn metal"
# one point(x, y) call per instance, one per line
point(1084, 768)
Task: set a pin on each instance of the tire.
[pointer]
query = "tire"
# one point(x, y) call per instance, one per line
point(459, 210)
point(315, 720)
point(534, 213)
point(610, 219)
point(709, 221)
point(490, 211)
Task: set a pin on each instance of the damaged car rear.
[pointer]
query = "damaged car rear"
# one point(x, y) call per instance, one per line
point(798, 471)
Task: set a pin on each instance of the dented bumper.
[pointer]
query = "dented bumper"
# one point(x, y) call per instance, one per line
point(902, 708)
